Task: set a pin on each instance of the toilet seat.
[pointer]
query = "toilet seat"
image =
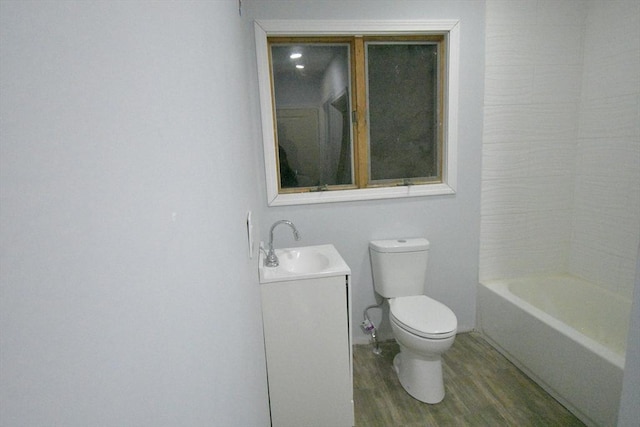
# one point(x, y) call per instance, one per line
point(423, 316)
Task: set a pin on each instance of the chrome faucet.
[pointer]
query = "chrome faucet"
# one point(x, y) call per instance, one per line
point(272, 260)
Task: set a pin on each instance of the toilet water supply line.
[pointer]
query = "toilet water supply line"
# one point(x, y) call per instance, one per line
point(369, 328)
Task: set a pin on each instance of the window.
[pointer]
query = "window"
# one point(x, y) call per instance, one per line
point(357, 110)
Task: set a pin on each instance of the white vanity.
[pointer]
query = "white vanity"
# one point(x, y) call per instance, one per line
point(307, 333)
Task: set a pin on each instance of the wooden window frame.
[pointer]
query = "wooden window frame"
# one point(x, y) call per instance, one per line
point(362, 135)
point(347, 40)
point(448, 34)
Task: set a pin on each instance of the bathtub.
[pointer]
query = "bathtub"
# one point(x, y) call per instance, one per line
point(567, 334)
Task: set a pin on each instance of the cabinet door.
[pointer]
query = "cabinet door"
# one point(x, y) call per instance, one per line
point(308, 352)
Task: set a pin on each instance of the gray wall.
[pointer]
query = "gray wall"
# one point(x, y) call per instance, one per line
point(127, 169)
point(451, 223)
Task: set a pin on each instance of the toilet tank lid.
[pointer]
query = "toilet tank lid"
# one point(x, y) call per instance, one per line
point(400, 245)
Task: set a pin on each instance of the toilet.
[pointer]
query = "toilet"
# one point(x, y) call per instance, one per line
point(423, 327)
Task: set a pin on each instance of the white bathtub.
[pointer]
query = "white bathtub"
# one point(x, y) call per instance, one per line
point(567, 334)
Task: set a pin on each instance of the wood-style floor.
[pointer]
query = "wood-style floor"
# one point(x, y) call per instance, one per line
point(482, 389)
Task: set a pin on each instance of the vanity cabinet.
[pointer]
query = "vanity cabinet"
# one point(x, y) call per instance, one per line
point(307, 336)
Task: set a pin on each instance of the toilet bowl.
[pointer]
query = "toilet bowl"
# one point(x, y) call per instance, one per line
point(423, 327)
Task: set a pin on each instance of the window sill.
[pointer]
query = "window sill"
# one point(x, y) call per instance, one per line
point(361, 194)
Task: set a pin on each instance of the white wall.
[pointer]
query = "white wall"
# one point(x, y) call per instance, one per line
point(561, 158)
point(606, 223)
point(126, 170)
point(532, 95)
point(449, 222)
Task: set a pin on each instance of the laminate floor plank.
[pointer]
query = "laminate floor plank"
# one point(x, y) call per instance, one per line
point(482, 389)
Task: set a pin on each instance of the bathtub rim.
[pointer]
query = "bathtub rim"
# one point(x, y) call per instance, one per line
point(500, 287)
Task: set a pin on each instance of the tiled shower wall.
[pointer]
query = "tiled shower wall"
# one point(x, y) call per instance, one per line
point(532, 96)
point(606, 219)
point(548, 197)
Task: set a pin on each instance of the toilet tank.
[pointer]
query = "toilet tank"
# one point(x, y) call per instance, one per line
point(399, 266)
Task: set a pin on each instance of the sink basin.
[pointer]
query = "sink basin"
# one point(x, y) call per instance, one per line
point(304, 263)
point(303, 260)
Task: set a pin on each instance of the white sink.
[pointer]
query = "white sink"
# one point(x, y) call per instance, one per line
point(303, 260)
point(304, 263)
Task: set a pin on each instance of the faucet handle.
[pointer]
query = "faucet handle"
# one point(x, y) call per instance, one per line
point(261, 247)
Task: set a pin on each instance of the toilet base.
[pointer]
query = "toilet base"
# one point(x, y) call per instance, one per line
point(420, 376)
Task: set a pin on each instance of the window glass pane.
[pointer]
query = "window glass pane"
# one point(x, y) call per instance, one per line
point(311, 85)
point(402, 81)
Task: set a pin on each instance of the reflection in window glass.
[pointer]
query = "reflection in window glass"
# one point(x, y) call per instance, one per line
point(402, 81)
point(311, 86)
